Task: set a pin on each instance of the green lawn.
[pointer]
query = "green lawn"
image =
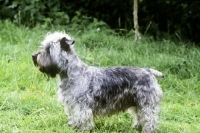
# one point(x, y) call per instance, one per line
point(28, 102)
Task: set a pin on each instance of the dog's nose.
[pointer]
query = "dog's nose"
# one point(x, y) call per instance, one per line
point(34, 58)
point(34, 55)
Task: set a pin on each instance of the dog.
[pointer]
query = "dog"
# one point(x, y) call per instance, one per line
point(89, 91)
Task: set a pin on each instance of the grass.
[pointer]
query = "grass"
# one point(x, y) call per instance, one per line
point(28, 101)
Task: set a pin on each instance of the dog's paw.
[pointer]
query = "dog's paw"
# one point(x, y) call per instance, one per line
point(135, 124)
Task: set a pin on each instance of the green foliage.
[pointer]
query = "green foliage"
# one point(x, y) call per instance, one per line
point(32, 12)
point(81, 23)
point(158, 18)
point(178, 18)
point(28, 101)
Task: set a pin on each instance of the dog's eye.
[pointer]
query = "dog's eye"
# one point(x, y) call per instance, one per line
point(48, 49)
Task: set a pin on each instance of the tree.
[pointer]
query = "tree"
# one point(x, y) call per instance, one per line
point(135, 20)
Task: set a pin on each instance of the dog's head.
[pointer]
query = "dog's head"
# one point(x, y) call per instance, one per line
point(53, 53)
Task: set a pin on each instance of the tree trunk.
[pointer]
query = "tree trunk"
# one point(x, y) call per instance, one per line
point(135, 20)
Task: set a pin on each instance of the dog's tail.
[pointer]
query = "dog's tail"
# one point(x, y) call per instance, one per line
point(156, 73)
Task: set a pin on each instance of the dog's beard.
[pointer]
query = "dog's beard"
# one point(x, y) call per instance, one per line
point(49, 68)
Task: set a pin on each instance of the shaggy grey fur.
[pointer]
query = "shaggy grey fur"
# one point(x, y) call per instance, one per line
point(87, 91)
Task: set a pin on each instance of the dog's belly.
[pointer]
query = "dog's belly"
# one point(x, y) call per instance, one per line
point(108, 105)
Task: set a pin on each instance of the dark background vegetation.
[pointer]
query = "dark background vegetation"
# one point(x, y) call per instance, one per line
point(157, 18)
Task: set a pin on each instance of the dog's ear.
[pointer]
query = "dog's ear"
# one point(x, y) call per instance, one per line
point(65, 43)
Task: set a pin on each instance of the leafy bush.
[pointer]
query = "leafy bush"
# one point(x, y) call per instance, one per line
point(178, 18)
point(158, 18)
point(31, 12)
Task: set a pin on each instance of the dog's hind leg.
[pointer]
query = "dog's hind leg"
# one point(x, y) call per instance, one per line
point(148, 117)
point(133, 112)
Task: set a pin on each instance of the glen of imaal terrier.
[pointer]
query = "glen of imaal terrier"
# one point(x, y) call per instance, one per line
point(89, 91)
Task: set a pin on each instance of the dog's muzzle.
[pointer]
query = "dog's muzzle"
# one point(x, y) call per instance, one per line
point(34, 58)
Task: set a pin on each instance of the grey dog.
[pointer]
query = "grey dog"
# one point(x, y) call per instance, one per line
point(88, 91)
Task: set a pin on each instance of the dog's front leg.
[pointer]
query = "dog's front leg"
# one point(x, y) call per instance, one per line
point(81, 118)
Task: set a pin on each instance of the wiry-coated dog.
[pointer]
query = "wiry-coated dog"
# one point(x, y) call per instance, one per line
point(87, 91)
